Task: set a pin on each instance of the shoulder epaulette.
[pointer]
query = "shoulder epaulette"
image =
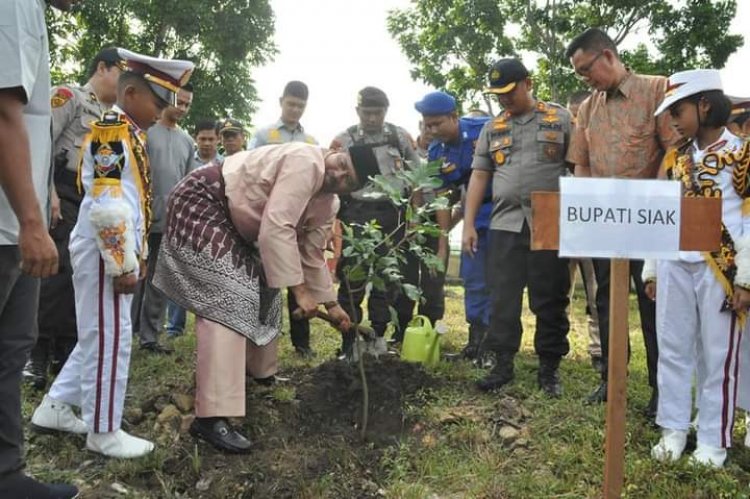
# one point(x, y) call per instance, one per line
point(111, 127)
point(500, 122)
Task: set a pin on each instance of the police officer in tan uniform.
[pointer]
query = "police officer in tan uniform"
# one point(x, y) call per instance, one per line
point(522, 150)
point(74, 107)
point(392, 146)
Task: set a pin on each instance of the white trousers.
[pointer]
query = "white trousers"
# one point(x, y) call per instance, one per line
point(695, 336)
point(743, 397)
point(95, 375)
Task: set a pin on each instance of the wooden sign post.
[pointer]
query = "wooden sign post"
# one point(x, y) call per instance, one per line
point(700, 230)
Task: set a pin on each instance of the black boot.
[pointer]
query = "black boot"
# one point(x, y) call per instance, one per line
point(35, 372)
point(476, 336)
point(219, 433)
point(548, 377)
point(500, 375)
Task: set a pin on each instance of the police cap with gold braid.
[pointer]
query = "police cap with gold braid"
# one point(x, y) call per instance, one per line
point(164, 76)
point(504, 75)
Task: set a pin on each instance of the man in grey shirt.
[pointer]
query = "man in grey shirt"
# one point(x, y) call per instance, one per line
point(522, 150)
point(27, 251)
point(170, 151)
point(288, 129)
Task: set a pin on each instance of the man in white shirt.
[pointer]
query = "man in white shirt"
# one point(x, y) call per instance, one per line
point(27, 251)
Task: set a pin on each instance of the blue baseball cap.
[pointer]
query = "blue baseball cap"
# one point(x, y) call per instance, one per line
point(436, 103)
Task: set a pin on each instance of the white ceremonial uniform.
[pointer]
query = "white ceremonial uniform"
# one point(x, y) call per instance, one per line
point(694, 333)
point(743, 395)
point(107, 241)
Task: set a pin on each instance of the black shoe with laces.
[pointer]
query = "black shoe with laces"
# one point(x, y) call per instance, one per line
point(35, 374)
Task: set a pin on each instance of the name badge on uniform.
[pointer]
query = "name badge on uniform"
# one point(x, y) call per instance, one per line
point(501, 142)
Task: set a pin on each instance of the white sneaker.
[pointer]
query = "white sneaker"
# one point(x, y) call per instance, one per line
point(709, 455)
point(53, 415)
point(670, 446)
point(118, 444)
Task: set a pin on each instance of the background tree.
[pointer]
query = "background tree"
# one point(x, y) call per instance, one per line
point(225, 39)
point(448, 40)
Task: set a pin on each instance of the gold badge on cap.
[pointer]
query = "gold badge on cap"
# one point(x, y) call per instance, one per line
point(495, 74)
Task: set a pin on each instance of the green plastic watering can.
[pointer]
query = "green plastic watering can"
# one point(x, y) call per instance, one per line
point(421, 342)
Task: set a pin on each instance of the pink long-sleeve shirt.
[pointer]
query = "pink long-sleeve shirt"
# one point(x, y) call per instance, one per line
point(275, 200)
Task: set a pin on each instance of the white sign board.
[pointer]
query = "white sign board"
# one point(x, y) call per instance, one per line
point(618, 218)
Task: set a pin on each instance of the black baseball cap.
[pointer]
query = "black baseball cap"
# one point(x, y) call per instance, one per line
point(504, 75)
point(372, 97)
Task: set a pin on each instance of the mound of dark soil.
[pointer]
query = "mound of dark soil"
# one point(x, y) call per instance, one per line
point(330, 397)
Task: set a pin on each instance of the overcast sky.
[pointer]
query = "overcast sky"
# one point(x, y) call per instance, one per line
point(340, 46)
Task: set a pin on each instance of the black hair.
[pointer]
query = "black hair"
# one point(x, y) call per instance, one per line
point(108, 56)
point(132, 78)
point(188, 87)
point(206, 124)
point(578, 97)
point(740, 118)
point(295, 89)
point(591, 40)
point(721, 107)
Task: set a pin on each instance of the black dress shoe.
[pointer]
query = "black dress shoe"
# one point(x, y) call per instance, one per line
point(305, 352)
point(157, 348)
point(653, 404)
point(220, 434)
point(599, 395)
point(20, 486)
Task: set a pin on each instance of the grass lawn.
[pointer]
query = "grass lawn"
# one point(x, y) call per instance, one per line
point(454, 442)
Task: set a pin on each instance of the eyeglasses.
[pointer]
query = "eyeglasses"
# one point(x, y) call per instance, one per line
point(583, 72)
